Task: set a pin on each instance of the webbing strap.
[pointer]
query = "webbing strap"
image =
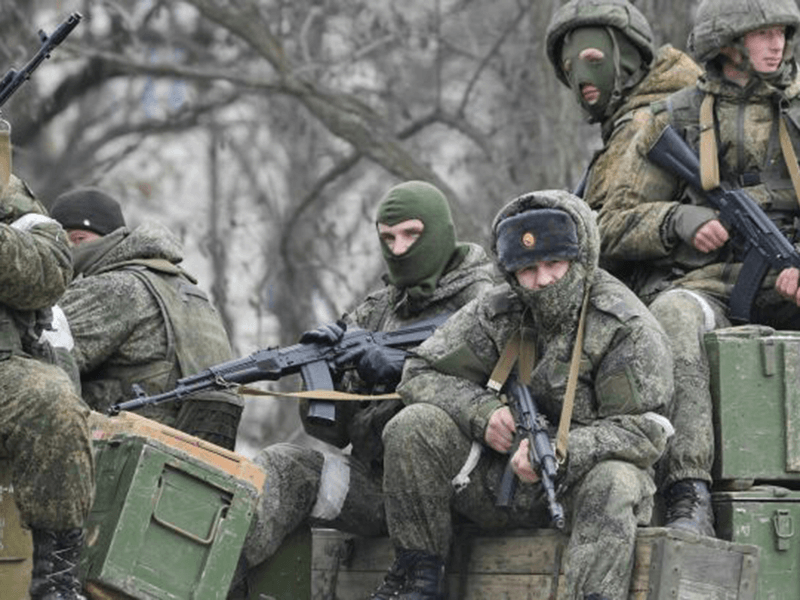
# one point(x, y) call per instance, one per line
point(572, 384)
point(504, 364)
point(316, 394)
point(709, 162)
point(789, 156)
point(5, 155)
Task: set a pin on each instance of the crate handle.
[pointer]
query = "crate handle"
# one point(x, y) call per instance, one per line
point(172, 527)
point(783, 525)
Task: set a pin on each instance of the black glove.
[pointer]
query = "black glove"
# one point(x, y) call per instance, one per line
point(330, 333)
point(379, 365)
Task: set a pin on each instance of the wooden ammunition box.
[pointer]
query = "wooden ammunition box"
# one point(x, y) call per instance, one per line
point(526, 564)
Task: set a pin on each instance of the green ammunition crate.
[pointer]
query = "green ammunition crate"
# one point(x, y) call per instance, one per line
point(170, 514)
point(755, 388)
point(768, 517)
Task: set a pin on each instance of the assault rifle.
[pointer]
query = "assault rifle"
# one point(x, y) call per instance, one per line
point(762, 244)
point(314, 361)
point(531, 425)
point(13, 79)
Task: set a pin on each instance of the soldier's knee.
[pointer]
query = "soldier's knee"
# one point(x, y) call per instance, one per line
point(683, 311)
point(415, 424)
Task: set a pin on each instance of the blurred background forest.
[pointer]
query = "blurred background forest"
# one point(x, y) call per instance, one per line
point(264, 132)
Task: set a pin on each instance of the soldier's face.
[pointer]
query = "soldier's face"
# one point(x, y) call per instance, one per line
point(542, 273)
point(765, 47)
point(400, 237)
point(81, 236)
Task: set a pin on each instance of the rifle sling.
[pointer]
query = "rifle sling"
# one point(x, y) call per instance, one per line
point(709, 162)
point(316, 394)
point(789, 156)
point(524, 348)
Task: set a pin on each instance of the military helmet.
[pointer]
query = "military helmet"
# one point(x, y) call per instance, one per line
point(619, 14)
point(720, 23)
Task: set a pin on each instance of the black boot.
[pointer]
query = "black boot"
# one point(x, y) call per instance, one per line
point(689, 507)
point(415, 575)
point(55, 565)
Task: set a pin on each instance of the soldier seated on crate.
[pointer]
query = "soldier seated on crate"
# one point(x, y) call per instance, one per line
point(546, 244)
point(741, 118)
point(44, 434)
point(430, 273)
point(138, 318)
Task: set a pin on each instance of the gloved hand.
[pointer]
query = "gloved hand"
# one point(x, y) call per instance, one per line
point(330, 333)
point(376, 364)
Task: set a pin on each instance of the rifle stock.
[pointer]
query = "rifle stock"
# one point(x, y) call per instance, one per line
point(314, 361)
point(762, 244)
point(530, 424)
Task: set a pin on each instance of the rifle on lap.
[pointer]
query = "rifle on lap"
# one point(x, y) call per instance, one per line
point(316, 362)
point(761, 242)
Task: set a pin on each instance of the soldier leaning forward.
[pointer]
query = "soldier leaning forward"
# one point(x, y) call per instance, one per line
point(547, 246)
point(44, 427)
point(430, 274)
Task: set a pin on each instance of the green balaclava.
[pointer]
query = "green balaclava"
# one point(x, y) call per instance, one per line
point(418, 269)
point(622, 67)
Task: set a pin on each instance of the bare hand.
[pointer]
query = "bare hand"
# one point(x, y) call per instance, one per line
point(521, 463)
point(788, 285)
point(711, 236)
point(499, 434)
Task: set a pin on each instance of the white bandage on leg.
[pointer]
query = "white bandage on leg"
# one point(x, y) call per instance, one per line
point(334, 483)
point(709, 321)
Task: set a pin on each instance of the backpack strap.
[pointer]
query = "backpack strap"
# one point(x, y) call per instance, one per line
point(709, 162)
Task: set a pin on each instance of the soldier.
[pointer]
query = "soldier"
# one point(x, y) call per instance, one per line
point(45, 432)
point(603, 51)
point(430, 273)
point(670, 238)
point(137, 318)
point(546, 244)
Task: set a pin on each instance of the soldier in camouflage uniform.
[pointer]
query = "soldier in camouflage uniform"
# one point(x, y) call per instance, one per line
point(547, 246)
point(44, 433)
point(603, 49)
point(430, 273)
point(670, 239)
point(137, 318)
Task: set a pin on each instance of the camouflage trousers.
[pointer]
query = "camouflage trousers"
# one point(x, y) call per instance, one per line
point(45, 435)
point(305, 486)
point(686, 316)
point(425, 449)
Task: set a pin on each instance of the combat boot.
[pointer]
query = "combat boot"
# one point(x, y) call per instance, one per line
point(55, 565)
point(689, 507)
point(415, 575)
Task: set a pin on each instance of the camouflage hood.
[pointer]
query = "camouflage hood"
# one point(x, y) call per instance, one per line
point(555, 307)
point(150, 240)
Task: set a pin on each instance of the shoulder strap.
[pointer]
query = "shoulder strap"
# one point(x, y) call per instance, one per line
point(789, 156)
point(709, 162)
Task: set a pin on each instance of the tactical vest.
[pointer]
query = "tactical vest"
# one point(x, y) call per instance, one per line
point(196, 338)
point(771, 184)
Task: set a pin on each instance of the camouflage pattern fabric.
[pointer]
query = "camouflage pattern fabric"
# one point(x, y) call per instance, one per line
point(641, 228)
point(344, 491)
point(44, 430)
point(123, 334)
point(616, 433)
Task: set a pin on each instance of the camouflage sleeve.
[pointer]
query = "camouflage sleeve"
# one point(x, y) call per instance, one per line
point(450, 369)
point(637, 197)
point(37, 265)
point(104, 312)
point(633, 386)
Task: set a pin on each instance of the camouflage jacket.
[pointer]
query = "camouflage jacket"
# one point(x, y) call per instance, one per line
point(120, 310)
point(36, 270)
point(638, 217)
point(625, 373)
point(386, 310)
point(672, 71)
